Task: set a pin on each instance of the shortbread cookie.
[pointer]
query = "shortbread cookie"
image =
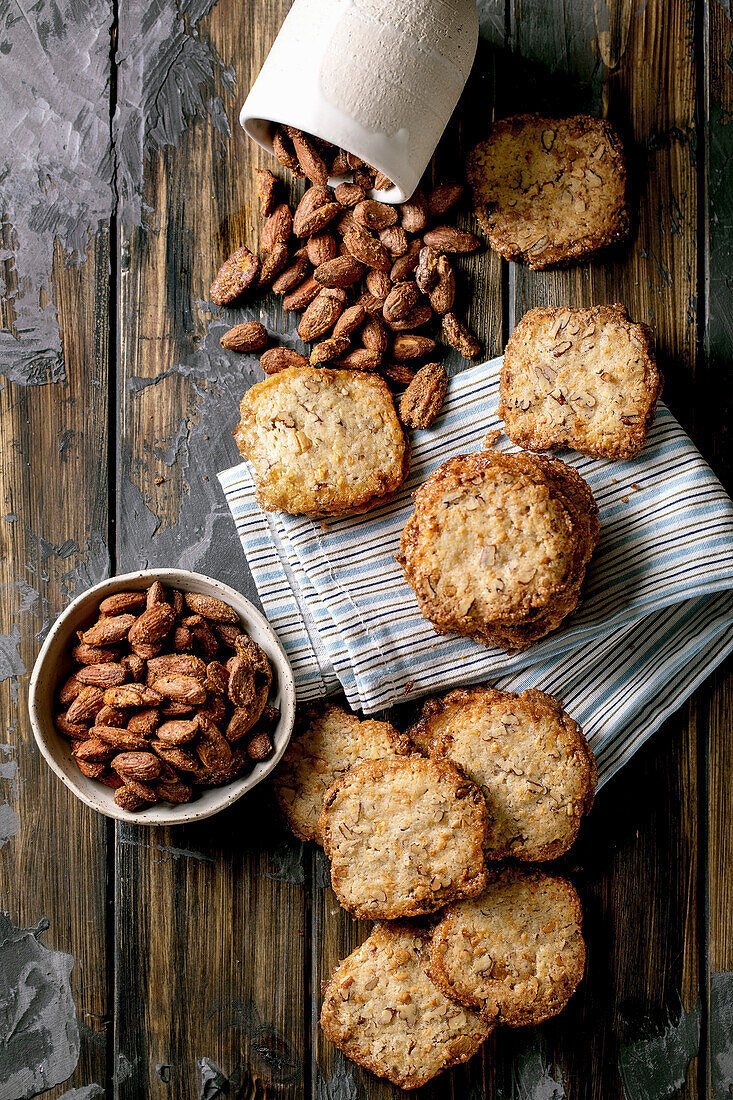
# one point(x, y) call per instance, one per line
point(382, 1010)
point(499, 542)
point(404, 837)
point(322, 442)
point(580, 378)
point(531, 760)
point(326, 742)
point(516, 954)
point(549, 191)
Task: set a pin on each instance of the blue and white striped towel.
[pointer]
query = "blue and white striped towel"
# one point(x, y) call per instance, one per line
point(656, 619)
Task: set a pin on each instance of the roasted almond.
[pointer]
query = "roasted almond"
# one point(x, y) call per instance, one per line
point(293, 275)
point(283, 149)
point(210, 607)
point(458, 336)
point(311, 163)
point(414, 213)
point(93, 750)
point(443, 294)
point(371, 305)
point(277, 228)
point(84, 708)
point(404, 266)
point(127, 800)
point(374, 336)
point(341, 271)
point(155, 594)
point(399, 374)
point(320, 316)
point(104, 676)
point(446, 238)
point(109, 630)
point(426, 272)
point(132, 695)
point(360, 359)
point(227, 633)
point(180, 759)
point(92, 770)
point(422, 401)
point(365, 248)
point(174, 790)
point(320, 248)
point(93, 654)
point(416, 318)
point(75, 730)
point(152, 625)
point(70, 689)
point(142, 766)
point(394, 240)
point(217, 677)
point(260, 747)
point(302, 296)
point(266, 191)
point(400, 300)
point(250, 336)
point(349, 194)
point(379, 284)
point(178, 731)
point(181, 689)
point(120, 602)
point(375, 215)
point(349, 321)
point(407, 346)
point(122, 740)
point(145, 721)
point(329, 349)
point(272, 264)
point(234, 277)
point(277, 359)
point(176, 664)
point(134, 666)
point(111, 716)
point(443, 197)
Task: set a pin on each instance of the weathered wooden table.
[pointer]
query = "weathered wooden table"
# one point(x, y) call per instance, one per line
point(198, 953)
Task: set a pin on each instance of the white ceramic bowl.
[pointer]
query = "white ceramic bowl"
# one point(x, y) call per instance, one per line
point(380, 78)
point(54, 665)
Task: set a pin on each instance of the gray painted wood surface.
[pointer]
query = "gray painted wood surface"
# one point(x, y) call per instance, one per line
point(138, 963)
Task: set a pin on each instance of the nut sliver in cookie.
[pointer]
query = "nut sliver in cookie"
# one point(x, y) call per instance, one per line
point(404, 837)
point(382, 1010)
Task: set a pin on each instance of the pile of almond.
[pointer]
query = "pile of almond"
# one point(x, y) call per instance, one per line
point(168, 694)
point(371, 280)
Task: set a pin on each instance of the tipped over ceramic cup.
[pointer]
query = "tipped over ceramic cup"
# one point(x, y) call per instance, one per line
point(379, 78)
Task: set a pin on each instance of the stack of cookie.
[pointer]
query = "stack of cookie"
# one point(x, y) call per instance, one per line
point(419, 822)
point(498, 544)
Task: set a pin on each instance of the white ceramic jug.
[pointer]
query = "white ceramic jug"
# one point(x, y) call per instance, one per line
point(380, 78)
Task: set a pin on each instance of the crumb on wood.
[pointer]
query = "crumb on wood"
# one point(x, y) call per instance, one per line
point(408, 687)
point(159, 480)
point(625, 500)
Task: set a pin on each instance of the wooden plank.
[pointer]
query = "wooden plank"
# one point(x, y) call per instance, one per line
point(638, 1008)
point(53, 533)
point(716, 702)
point(55, 207)
point(212, 920)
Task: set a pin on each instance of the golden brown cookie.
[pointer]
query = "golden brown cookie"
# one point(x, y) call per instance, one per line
point(580, 378)
point(550, 191)
point(516, 953)
point(497, 546)
point(534, 766)
point(404, 837)
point(382, 1010)
point(326, 742)
point(322, 442)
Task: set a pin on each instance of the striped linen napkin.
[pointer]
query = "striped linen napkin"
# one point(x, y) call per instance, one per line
point(656, 619)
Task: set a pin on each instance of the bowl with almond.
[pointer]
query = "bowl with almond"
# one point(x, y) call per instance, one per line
point(162, 697)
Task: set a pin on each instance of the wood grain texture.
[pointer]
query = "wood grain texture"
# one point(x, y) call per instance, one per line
point(53, 862)
point(211, 921)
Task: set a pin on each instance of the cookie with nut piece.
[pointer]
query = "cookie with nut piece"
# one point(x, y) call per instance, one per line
point(580, 378)
point(550, 191)
point(327, 742)
point(383, 1011)
point(322, 442)
point(535, 768)
point(405, 836)
point(497, 546)
point(516, 953)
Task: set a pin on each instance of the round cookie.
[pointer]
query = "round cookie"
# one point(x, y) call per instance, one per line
point(497, 546)
point(327, 741)
point(381, 1009)
point(515, 954)
point(580, 378)
point(322, 442)
point(531, 760)
point(404, 836)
